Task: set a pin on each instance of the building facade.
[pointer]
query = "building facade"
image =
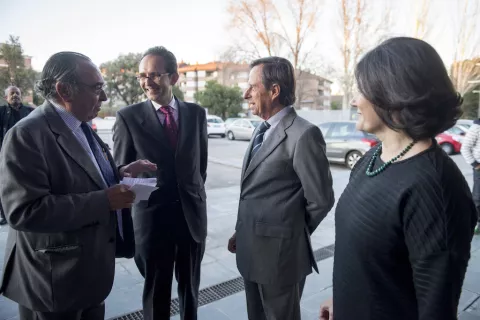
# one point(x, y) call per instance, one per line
point(313, 92)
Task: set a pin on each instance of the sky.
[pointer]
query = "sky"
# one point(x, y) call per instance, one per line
point(194, 30)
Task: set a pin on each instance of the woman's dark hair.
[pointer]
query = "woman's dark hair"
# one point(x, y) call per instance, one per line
point(278, 71)
point(168, 57)
point(62, 66)
point(408, 85)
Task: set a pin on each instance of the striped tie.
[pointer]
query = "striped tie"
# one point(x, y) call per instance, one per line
point(257, 142)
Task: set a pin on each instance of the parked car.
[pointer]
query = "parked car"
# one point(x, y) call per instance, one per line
point(215, 126)
point(242, 129)
point(464, 123)
point(229, 121)
point(449, 141)
point(346, 144)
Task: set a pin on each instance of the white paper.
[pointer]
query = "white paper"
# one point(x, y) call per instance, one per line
point(142, 187)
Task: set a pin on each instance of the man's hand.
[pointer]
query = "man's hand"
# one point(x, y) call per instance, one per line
point(326, 310)
point(232, 244)
point(120, 197)
point(477, 167)
point(135, 168)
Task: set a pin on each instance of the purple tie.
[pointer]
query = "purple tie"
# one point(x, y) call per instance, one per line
point(170, 125)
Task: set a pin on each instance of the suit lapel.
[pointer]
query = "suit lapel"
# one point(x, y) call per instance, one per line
point(247, 154)
point(152, 125)
point(184, 122)
point(69, 143)
point(275, 138)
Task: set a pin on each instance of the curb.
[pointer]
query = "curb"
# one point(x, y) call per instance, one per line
point(224, 163)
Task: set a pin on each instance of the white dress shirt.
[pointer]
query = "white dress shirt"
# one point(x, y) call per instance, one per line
point(275, 120)
point(161, 116)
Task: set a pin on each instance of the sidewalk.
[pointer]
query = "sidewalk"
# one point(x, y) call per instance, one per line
point(219, 266)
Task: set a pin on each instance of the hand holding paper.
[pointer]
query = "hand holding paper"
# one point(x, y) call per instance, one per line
point(142, 188)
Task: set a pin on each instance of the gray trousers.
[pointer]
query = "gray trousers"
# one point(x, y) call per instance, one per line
point(93, 313)
point(272, 302)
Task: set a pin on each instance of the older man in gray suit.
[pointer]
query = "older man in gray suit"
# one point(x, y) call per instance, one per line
point(62, 200)
point(286, 191)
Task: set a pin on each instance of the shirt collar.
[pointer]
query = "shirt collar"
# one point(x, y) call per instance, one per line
point(275, 120)
point(70, 120)
point(172, 104)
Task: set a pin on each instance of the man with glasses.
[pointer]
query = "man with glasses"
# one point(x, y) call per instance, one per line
point(171, 227)
point(10, 114)
point(69, 217)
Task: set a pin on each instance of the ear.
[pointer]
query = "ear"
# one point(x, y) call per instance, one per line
point(174, 78)
point(275, 91)
point(64, 91)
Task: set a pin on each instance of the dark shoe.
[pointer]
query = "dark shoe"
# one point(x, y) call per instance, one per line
point(3, 222)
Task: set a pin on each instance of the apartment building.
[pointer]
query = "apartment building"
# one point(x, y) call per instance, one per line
point(313, 92)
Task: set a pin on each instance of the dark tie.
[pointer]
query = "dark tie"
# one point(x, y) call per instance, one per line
point(103, 163)
point(257, 142)
point(170, 125)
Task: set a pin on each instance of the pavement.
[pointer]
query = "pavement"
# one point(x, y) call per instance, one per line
point(225, 160)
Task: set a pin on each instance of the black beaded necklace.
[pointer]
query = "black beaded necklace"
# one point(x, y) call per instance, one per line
point(380, 169)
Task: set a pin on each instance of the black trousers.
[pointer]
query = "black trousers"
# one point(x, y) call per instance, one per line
point(174, 250)
point(476, 191)
point(93, 313)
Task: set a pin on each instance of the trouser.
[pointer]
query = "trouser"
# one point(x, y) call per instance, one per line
point(93, 313)
point(273, 302)
point(175, 250)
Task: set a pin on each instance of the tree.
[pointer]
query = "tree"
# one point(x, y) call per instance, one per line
point(466, 44)
point(359, 31)
point(177, 92)
point(265, 30)
point(220, 100)
point(421, 19)
point(15, 73)
point(120, 76)
point(470, 104)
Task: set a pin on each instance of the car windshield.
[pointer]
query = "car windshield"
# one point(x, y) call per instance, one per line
point(255, 123)
point(215, 120)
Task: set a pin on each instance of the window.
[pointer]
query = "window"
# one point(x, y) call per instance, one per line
point(201, 84)
point(214, 120)
point(456, 130)
point(341, 130)
point(245, 124)
point(191, 74)
point(191, 84)
point(324, 128)
point(201, 73)
point(237, 123)
point(255, 123)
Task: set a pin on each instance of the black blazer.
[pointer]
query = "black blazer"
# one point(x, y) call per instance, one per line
point(138, 134)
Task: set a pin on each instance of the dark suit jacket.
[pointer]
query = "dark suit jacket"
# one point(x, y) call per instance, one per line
point(138, 134)
point(5, 118)
point(286, 191)
point(60, 252)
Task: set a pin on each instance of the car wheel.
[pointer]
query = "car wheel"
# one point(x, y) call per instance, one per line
point(223, 136)
point(352, 159)
point(230, 135)
point(447, 147)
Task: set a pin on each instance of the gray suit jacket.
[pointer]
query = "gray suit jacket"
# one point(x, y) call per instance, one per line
point(286, 191)
point(138, 134)
point(60, 252)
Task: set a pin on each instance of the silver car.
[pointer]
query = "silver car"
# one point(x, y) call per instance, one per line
point(345, 144)
point(242, 129)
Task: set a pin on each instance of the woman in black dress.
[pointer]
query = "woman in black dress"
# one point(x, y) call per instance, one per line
point(406, 218)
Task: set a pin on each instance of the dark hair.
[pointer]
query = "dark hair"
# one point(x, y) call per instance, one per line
point(168, 57)
point(62, 66)
point(278, 71)
point(408, 85)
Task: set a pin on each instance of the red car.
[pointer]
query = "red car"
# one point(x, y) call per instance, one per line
point(450, 143)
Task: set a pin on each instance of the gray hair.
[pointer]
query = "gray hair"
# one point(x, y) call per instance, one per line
point(62, 66)
point(11, 87)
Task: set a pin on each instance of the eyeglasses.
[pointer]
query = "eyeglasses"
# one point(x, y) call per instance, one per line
point(97, 87)
point(152, 76)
